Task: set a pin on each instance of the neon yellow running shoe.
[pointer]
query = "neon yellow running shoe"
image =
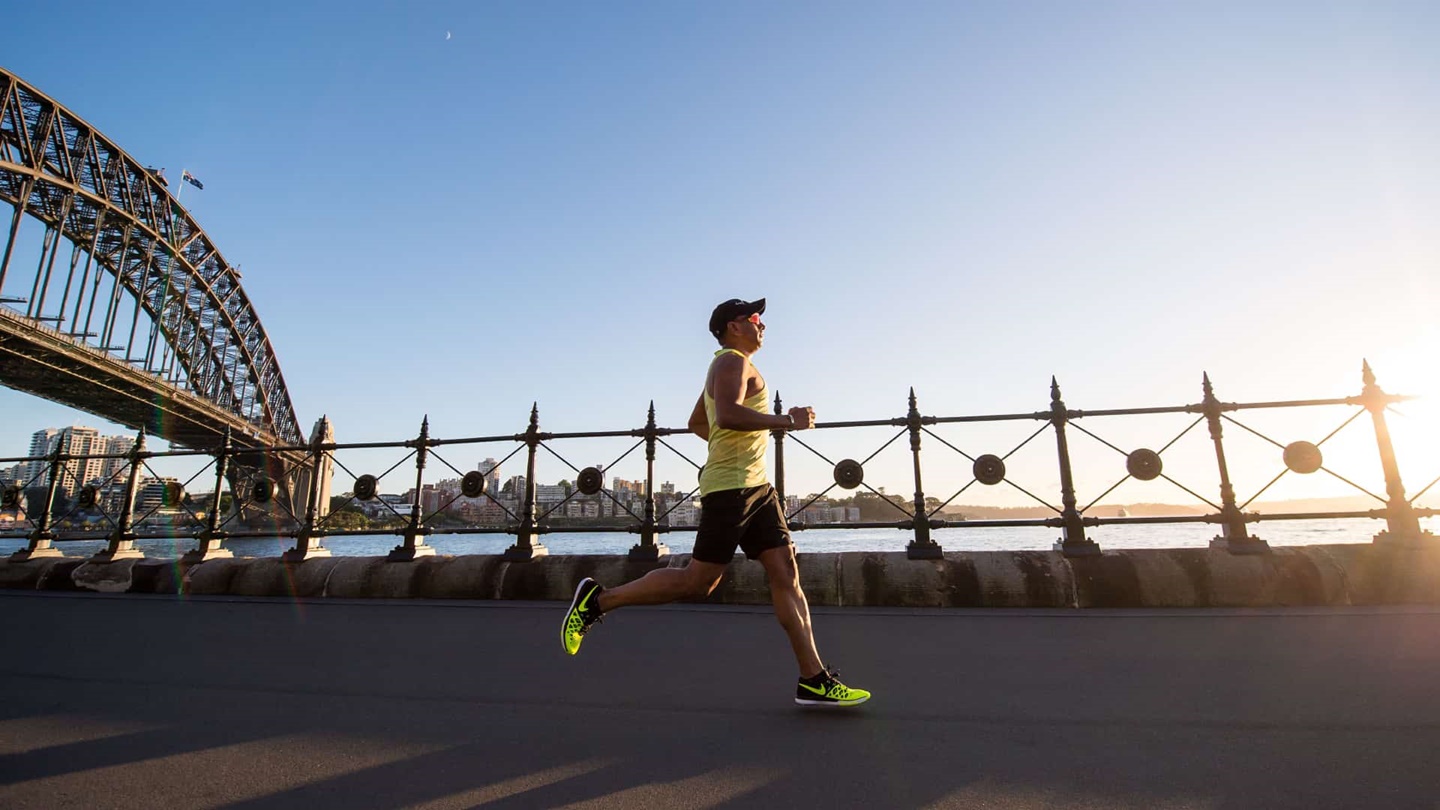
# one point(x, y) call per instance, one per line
point(826, 689)
point(584, 613)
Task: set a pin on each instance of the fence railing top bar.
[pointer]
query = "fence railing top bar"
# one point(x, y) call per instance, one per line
point(596, 434)
point(241, 449)
point(144, 454)
point(877, 524)
point(508, 437)
point(612, 434)
point(1301, 403)
point(862, 423)
point(329, 447)
point(1137, 411)
point(993, 417)
point(1195, 408)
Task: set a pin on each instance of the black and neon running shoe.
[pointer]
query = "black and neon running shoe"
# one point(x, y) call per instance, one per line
point(826, 689)
point(584, 613)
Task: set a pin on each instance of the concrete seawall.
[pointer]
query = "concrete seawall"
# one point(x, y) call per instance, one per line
point(1361, 574)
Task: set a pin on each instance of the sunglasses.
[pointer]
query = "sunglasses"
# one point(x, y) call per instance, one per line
point(755, 319)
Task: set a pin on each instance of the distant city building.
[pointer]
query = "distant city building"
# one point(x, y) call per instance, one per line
point(112, 467)
point(490, 468)
point(549, 493)
point(636, 488)
point(431, 499)
point(35, 473)
point(686, 514)
point(110, 500)
point(80, 441)
point(158, 495)
point(385, 506)
point(516, 485)
point(74, 441)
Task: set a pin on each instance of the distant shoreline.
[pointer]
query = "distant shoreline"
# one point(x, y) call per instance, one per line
point(1347, 503)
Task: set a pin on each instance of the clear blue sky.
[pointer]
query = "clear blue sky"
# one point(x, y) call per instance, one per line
point(964, 197)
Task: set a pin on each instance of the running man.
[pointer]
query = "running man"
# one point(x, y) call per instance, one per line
point(738, 508)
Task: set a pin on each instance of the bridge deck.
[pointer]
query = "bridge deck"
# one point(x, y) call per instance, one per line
point(154, 702)
point(40, 361)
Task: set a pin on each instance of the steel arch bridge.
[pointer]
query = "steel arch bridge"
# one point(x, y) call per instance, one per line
point(144, 322)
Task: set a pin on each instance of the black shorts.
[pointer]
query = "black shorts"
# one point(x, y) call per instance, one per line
point(751, 518)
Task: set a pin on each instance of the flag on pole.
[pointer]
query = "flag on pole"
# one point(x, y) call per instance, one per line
point(190, 178)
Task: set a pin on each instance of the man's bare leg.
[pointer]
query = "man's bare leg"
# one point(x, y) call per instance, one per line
point(695, 580)
point(791, 607)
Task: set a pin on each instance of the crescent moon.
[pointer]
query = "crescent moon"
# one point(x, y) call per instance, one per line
point(447, 34)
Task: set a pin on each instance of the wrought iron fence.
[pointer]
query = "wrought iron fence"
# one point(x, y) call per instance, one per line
point(121, 514)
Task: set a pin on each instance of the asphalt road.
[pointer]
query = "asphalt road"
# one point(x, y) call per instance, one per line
point(149, 702)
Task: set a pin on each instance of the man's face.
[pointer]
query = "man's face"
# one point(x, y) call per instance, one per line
point(749, 331)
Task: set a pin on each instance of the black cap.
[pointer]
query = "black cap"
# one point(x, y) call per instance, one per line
point(732, 309)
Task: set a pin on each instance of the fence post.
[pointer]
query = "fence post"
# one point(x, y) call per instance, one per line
point(212, 536)
point(1402, 525)
point(307, 546)
point(1073, 543)
point(527, 547)
point(649, 549)
point(779, 435)
point(922, 547)
point(122, 540)
point(1235, 537)
point(414, 545)
point(42, 539)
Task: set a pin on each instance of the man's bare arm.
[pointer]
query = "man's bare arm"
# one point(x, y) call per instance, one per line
point(699, 422)
point(730, 410)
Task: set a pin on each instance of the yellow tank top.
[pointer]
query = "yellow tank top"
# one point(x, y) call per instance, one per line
point(737, 457)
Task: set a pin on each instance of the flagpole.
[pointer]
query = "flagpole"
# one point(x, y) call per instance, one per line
point(185, 177)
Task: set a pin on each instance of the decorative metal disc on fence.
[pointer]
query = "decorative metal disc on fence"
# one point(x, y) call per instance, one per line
point(366, 487)
point(263, 490)
point(849, 473)
point(472, 484)
point(1144, 464)
point(590, 481)
point(989, 469)
point(10, 498)
point(88, 496)
point(1303, 457)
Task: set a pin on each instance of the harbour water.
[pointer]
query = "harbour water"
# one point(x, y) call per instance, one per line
point(1026, 538)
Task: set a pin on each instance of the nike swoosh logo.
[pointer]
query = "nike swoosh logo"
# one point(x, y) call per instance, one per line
point(807, 687)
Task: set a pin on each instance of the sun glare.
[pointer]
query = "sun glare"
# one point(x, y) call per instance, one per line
point(1414, 425)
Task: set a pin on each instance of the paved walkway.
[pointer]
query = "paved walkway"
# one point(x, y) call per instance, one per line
point(144, 702)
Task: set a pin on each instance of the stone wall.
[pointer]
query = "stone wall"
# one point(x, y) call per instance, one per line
point(1362, 574)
